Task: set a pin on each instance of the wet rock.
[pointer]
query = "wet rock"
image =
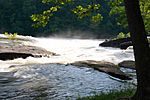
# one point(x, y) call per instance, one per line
point(125, 45)
point(10, 51)
point(127, 64)
point(103, 66)
point(13, 55)
point(115, 43)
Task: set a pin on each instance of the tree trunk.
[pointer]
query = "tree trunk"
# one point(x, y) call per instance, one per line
point(141, 49)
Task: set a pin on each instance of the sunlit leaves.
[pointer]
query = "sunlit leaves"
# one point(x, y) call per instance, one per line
point(57, 1)
point(97, 18)
point(42, 19)
point(115, 3)
point(145, 9)
point(123, 35)
point(11, 36)
point(82, 12)
point(117, 8)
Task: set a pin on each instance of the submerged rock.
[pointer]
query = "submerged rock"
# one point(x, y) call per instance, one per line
point(103, 66)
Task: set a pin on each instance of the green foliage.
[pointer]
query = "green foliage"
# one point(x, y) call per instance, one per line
point(82, 12)
point(91, 11)
point(128, 34)
point(43, 19)
point(118, 10)
point(97, 18)
point(15, 16)
point(114, 95)
point(145, 9)
point(11, 36)
point(57, 1)
point(123, 35)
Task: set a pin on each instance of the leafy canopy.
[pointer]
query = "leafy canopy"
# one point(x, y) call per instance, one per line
point(92, 11)
point(118, 9)
point(43, 18)
point(81, 12)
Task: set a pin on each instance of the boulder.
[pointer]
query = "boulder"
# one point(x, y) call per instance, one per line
point(127, 64)
point(10, 50)
point(24, 51)
point(125, 45)
point(122, 43)
point(115, 43)
point(103, 66)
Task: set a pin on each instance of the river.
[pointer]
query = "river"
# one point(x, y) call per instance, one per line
point(53, 79)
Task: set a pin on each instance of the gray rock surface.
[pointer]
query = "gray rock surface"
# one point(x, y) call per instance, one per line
point(115, 43)
point(127, 64)
point(11, 49)
point(103, 66)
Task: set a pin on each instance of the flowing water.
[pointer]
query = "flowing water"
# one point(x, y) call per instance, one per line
point(53, 79)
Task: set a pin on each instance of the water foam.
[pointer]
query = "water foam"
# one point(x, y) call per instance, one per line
point(70, 50)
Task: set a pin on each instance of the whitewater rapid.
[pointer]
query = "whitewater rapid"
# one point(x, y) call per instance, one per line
point(70, 50)
point(53, 78)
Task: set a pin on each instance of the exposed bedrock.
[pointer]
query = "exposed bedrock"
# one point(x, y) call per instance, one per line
point(103, 66)
point(10, 49)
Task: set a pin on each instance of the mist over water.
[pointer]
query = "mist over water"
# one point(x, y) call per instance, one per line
point(75, 34)
point(71, 50)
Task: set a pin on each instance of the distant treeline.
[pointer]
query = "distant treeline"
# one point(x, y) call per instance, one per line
point(15, 17)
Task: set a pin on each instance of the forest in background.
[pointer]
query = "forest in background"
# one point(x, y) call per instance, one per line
point(15, 16)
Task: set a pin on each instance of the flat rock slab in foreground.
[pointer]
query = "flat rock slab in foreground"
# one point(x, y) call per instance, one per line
point(10, 50)
point(103, 66)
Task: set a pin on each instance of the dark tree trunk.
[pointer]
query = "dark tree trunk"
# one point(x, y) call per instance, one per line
point(141, 49)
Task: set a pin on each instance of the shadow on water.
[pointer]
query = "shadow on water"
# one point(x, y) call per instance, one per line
point(56, 82)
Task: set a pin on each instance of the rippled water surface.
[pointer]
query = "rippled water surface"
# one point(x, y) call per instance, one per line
point(57, 82)
point(39, 79)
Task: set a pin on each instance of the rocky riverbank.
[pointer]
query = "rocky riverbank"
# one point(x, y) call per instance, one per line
point(22, 48)
point(19, 48)
point(122, 43)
